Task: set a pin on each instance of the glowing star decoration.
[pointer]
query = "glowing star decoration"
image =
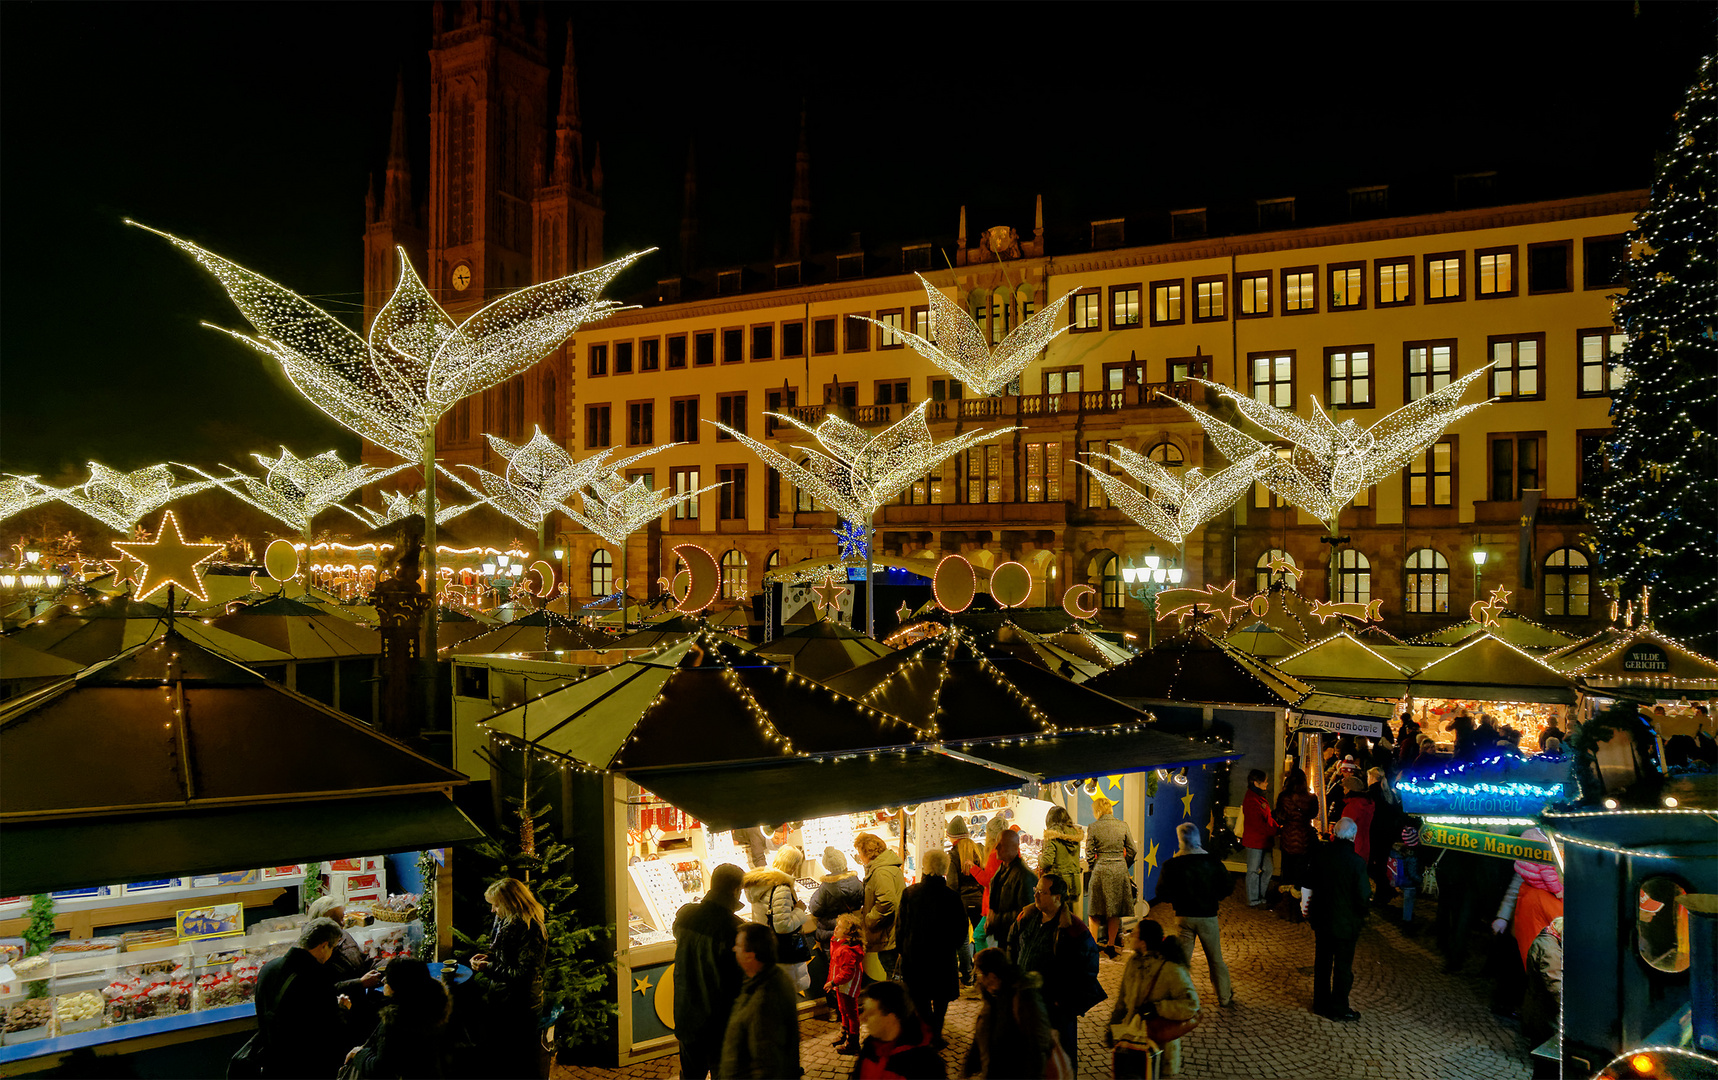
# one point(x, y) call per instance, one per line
point(850, 542)
point(1184, 603)
point(959, 347)
point(125, 569)
point(21, 493)
point(1329, 464)
point(294, 490)
point(417, 362)
point(1171, 505)
point(1485, 614)
point(541, 475)
point(855, 472)
point(904, 612)
point(829, 594)
point(120, 500)
point(169, 560)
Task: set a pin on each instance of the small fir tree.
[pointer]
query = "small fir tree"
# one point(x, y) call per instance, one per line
point(1657, 511)
point(39, 935)
point(577, 972)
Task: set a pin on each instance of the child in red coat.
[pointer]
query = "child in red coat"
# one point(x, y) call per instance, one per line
point(846, 966)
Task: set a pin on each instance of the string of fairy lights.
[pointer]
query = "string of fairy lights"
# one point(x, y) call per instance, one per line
point(295, 490)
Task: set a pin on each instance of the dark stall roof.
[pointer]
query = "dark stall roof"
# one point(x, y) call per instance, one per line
point(1196, 669)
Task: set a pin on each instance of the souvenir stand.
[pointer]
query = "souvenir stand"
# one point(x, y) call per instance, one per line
point(191, 853)
point(675, 752)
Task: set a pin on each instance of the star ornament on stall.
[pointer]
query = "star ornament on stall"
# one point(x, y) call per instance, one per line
point(1327, 464)
point(1151, 855)
point(641, 985)
point(125, 569)
point(959, 347)
point(417, 363)
point(1187, 804)
point(169, 560)
point(829, 594)
point(904, 612)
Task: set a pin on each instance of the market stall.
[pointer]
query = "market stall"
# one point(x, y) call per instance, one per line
point(823, 649)
point(213, 792)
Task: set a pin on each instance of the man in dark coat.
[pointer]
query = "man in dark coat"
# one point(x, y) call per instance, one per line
point(300, 1025)
point(706, 975)
point(1335, 905)
point(1053, 943)
point(929, 932)
point(1195, 882)
point(1011, 889)
point(762, 1039)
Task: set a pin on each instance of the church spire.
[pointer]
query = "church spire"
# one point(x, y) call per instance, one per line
point(569, 127)
point(799, 211)
point(689, 212)
point(397, 187)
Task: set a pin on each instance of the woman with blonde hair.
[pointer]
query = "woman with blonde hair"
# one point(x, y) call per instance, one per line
point(776, 904)
point(513, 975)
point(884, 884)
point(1109, 852)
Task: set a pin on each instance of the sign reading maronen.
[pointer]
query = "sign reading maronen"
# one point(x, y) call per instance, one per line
point(1481, 842)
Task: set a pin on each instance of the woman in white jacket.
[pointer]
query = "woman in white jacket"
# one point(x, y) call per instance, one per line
point(775, 901)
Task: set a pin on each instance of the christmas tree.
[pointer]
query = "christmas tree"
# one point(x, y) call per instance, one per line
point(1657, 511)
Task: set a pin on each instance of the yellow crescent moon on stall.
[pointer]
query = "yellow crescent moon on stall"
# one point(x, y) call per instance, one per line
point(1071, 602)
point(545, 579)
point(706, 578)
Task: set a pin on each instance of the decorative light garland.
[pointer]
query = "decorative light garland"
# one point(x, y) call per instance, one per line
point(120, 500)
point(294, 490)
point(21, 493)
point(1174, 506)
point(959, 347)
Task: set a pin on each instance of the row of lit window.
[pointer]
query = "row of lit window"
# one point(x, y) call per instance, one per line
point(1566, 580)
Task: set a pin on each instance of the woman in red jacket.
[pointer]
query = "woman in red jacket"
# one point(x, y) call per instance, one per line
point(1297, 809)
point(1358, 807)
point(1258, 828)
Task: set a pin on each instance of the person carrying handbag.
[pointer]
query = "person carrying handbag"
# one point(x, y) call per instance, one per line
point(776, 904)
point(1258, 832)
point(1155, 1004)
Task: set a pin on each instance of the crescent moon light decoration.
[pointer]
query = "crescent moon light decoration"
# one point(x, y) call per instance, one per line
point(1071, 602)
point(706, 579)
point(545, 579)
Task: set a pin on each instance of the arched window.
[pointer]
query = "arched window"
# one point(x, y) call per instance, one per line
point(1108, 579)
point(1167, 454)
point(734, 585)
point(602, 572)
point(1428, 582)
point(1001, 314)
point(1353, 577)
point(1284, 564)
point(1568, 584)
point(773, 562)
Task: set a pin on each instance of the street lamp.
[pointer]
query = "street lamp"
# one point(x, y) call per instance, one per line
point(561, 564)
point(1478, 574)
point(1145, 584)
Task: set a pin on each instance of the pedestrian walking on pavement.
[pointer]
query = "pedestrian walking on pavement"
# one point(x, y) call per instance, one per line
point(965, 863)
point(898, 1043)
point(1155, 982)
point(883, 887)
point(1050, 941)
point(1335, 905)
point(707, 976)
point(1297, 809)
point(1110, 851)
point(1011, 888)
point(763, 1030)
point(1194, 882)
point(1258, 830)
point(929, 933)
point(1012, 1037)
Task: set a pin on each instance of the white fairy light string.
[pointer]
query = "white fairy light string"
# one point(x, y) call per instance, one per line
point(120, 500)
point(295, 490)
point(541, 475)
point(1329, 464)
point(417, 364)
point(1174, 506)
point(21, 493)
point(856, 472)
point(959, 347)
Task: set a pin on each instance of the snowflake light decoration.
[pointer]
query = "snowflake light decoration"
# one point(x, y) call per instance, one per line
point(960, 348)
point(1173, 506)
point(417, 362)
point(614, 508)
point(294, 490)
point(1328, 463)
point(120, 500)
point(851, 543)
point(855, 473)
point(21, 493)
point(541, 475)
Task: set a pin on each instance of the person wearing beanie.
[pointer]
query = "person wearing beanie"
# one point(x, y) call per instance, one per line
point(707, 975)
point(1194, 882)
point(838, 892)
point(965, 863)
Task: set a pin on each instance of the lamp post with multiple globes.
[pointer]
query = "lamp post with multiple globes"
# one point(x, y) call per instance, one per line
point(1145, 583)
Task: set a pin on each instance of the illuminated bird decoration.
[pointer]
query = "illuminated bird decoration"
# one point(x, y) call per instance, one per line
point(855, 472)
point(959, 347)
point(541, 475)
point(1173, 506)
point(614, 508)
point(417, 363)
point(21, 493)
point(1328, 464)
point(294, 490)
point(120, 500)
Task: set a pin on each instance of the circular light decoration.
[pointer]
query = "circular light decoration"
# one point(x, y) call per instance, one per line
point(1071, 602)
point(545, 579)
point(1260, 604)
point(281, 560)
point(954, 584)
point(706, 578)
point(1011, 584)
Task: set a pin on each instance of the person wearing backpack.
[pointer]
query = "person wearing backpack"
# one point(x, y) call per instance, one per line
point(1194, 882)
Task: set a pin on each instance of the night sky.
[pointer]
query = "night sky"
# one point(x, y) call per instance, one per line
point(254, 128)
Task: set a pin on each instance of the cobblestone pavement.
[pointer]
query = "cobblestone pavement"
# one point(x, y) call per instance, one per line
point(1416, 1022)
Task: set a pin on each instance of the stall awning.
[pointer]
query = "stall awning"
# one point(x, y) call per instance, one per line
point(1087, 753)
point(78, 852)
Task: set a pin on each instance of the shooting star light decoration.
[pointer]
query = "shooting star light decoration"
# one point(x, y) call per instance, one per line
point(959, 347)
point(1328, 464)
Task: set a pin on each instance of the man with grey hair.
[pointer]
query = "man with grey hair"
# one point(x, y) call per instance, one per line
point(1335, 905)
point(1195, 882)
point(930, 927)
point(300, 1019)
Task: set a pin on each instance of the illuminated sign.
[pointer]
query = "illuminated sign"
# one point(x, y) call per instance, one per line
point(1644, 657)
point(1481, 842)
